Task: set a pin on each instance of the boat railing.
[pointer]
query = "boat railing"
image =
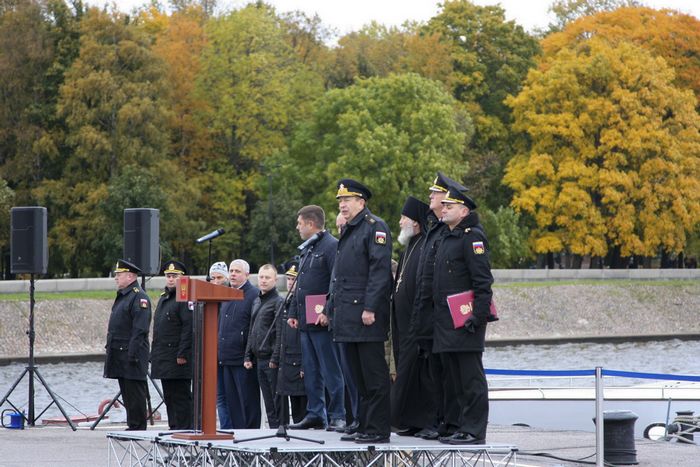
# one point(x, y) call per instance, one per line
point(599, 374)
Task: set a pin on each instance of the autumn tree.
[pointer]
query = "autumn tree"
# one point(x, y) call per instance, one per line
point(115, 119)
point(611, 153)
point(667, 33)
point(392, 133)
point(378, 50)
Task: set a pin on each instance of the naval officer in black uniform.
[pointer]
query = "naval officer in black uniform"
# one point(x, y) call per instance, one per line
point(171, 352)
point(462, 264)
point(359, 305)
point(127, 352)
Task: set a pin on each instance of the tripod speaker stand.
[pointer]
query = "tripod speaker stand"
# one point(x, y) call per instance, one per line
point(29, 254)
point(31, 371)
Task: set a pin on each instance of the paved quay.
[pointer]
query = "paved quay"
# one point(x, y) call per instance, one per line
point(61, 447)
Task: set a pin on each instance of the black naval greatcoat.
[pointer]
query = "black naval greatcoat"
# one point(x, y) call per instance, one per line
point(172, 338)
point(361, 280)
point(127, 348)
point(461, 264)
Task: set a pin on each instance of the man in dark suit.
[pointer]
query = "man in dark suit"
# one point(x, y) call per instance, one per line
point(322, 371)
point(238, 400)
point(359, 306)
point(127, 351)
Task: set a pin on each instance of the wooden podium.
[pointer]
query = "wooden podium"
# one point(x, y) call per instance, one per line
point(195, 290)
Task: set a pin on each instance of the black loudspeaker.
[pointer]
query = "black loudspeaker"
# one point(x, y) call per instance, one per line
point(29, 250)
point(142, 239)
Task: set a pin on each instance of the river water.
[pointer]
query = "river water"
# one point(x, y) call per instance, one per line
point(80, 386)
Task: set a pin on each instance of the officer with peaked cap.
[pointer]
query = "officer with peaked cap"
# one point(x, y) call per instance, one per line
point(359, 307)
point(171, 353)
point(461, 265)
point(428, 417)
point(126, 358)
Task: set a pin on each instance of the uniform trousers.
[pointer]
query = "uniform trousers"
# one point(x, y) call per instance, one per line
point(371, 374)
point(465, 383)
point(134, 397)
point(240, 397)
point(177, 395)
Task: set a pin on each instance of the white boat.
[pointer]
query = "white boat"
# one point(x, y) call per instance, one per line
point(573, 408)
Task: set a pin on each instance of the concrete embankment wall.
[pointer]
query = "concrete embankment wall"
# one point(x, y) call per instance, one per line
point(548, 311)
point(500, 275)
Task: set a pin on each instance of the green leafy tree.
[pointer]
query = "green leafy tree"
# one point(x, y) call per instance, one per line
point(611, 155)
point(38, 41)
point(7, 200)
point(508, 238)
point(392, 133)
point(257, 89)
point(490, 58)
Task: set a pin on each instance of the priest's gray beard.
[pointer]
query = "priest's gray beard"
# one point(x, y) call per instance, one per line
point(406, 234)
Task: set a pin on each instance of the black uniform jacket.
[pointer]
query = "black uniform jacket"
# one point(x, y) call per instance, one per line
point(362, 280)
point(287, 356)
point(172, 338)
point(422, 318)
point(127, 335)
point(234, 325)
point(262, 336)
point(314, 277)
point(461, 264)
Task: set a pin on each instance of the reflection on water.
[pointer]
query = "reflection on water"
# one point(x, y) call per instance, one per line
point(80, 386)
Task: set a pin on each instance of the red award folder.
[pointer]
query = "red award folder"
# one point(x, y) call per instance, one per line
point(314, 307)
point(461, 306)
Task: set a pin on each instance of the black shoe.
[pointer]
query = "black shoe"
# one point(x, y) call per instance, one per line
point(408, 431)
point(309, 423)
point(351, 436)
point(461, 438)
point(372, 438)
point(427, 433)
point(352, 428)
point(337, 425)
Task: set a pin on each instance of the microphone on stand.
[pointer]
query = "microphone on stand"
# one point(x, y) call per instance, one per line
point(211, 235)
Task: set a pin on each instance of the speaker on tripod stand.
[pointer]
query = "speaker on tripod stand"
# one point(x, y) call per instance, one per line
point(29, 255)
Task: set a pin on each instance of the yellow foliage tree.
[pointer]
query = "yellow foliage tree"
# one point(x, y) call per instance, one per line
point(610, 155)
point(670, 34)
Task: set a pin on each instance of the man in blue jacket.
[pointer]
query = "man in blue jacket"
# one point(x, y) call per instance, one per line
point(322, 371)
point(238, 400)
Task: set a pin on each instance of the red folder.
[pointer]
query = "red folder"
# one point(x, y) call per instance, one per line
point(461, 306)
point(314, 307)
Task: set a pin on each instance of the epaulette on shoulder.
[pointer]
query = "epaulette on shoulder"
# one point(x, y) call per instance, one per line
point(370, 219)
point(467, 230)
point(163, 294)
point(135, 289)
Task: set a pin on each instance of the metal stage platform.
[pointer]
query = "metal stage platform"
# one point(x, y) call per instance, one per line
point(153, 448)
